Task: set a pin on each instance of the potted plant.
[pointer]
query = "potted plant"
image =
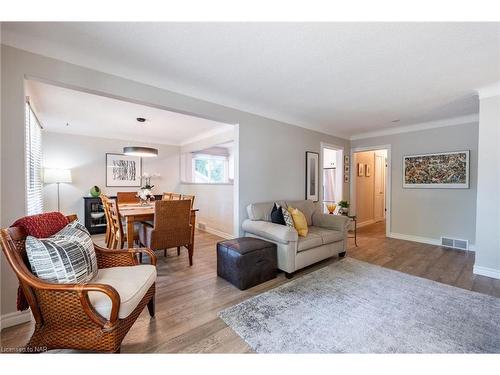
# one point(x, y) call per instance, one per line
point(344, 207)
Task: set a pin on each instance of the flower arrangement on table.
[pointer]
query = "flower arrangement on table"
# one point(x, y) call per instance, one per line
point(146, 193)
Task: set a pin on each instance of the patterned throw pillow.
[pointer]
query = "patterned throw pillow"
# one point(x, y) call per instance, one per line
point(287, 217)
point(66, 257)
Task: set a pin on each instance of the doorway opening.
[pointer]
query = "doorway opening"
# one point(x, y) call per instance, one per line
point(332, 174)
point(370, 189)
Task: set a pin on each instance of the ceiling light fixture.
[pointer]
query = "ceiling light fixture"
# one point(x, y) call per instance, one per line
point(145, 152)
point(397, 120)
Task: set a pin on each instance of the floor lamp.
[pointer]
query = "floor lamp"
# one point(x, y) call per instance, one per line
point(57, 176)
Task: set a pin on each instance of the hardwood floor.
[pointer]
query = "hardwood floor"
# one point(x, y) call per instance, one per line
point(189, 298)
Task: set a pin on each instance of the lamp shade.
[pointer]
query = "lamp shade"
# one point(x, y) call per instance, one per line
point(145, 152)
point(52, 175)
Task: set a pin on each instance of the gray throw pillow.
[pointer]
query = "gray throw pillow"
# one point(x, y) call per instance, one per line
point(67, 257)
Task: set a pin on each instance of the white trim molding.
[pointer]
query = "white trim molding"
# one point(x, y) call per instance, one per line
point(217, 232)
point(489, 91)
point(454, 121)
point(426, 240)
point(486, 271)
point(15, 318)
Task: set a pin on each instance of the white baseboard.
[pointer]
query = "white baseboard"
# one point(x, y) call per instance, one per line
point(486, 271)
point(217, 232)
point(426, 240)
point(14, 318)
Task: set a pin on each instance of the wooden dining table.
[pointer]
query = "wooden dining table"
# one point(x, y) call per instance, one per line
point(135, 212)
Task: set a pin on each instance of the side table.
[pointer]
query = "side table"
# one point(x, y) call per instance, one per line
point(355, 221)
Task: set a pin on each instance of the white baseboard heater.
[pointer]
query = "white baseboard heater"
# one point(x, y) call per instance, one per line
point(455, 243)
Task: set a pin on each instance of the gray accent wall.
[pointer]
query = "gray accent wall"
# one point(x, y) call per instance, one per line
point(431, 213)
point(271, 153)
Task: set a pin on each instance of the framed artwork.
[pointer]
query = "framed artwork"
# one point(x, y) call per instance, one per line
point(123, 170)
point(444, 170)
point(361, 169)
point(346, 169)
point(368, 170)
point(346, 159)
point(312, 176)
point(346, 178)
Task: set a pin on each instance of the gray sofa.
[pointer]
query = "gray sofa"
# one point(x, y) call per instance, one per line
point(327, 234)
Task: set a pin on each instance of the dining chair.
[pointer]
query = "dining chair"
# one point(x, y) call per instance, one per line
point(127, 197)
point(105, 205)
point(167, 196)
point(119, 235)
point(171, 227)
point(190, 198)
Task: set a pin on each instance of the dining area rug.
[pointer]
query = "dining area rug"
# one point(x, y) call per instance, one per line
point(352, 306)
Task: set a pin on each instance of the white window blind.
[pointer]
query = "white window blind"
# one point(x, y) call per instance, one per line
point(33, 150)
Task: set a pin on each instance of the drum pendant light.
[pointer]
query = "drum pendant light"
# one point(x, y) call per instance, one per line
point(145, 152)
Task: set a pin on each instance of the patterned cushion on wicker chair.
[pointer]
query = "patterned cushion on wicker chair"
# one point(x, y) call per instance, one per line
point(66, 257)
point(131, 283)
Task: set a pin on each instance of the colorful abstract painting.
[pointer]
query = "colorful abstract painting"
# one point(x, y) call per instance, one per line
point(438, 171)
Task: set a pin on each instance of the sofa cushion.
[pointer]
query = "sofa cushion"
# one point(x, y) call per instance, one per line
point(131, 283)
point(312, 240)
point(307, 207)
point(260, 211)
point(327, 235)
point(67, 257)
point(277, 215)
point(299, 221)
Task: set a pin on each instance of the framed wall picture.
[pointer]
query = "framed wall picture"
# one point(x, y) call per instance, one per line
point(444, 170)
point(361, 169)
point(346, 178)
point(346, 159)
point(346, 169)
point(368, 170)
point(123, 170)
point(312, 176)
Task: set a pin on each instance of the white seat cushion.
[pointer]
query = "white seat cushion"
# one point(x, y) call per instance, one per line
point(131, 283)
point(308, 242)
point(327, 235)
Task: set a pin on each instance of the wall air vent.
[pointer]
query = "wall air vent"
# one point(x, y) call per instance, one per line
point(455, 243)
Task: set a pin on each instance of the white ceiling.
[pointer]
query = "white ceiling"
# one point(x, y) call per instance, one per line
point(339, 78)
point(99, 116)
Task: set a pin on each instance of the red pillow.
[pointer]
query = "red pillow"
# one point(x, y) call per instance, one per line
point(42, 225)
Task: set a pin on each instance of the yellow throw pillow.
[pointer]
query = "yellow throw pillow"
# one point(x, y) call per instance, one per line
point(299, 221)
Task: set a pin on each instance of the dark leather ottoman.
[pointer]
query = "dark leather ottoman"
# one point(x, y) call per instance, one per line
point(246, 261)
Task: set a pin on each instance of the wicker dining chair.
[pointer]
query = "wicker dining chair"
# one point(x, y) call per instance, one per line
point(171, 227)
point(127, 197)
point(64, 315)
point(190, 198)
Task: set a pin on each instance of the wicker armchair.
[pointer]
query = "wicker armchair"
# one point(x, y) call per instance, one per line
point(64, 315)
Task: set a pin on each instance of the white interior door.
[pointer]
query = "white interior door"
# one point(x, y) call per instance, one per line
point(379, 187)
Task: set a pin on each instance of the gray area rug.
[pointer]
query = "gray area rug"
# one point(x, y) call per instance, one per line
point(355, 307)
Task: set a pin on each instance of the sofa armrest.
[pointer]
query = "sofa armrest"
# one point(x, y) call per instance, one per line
point(336, 222)
point(273, 232)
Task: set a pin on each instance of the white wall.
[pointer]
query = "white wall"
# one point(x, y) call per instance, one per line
point(215, 201)
point(431, 213)
point(86, 157)
point(271, 156)
point(488, 188)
